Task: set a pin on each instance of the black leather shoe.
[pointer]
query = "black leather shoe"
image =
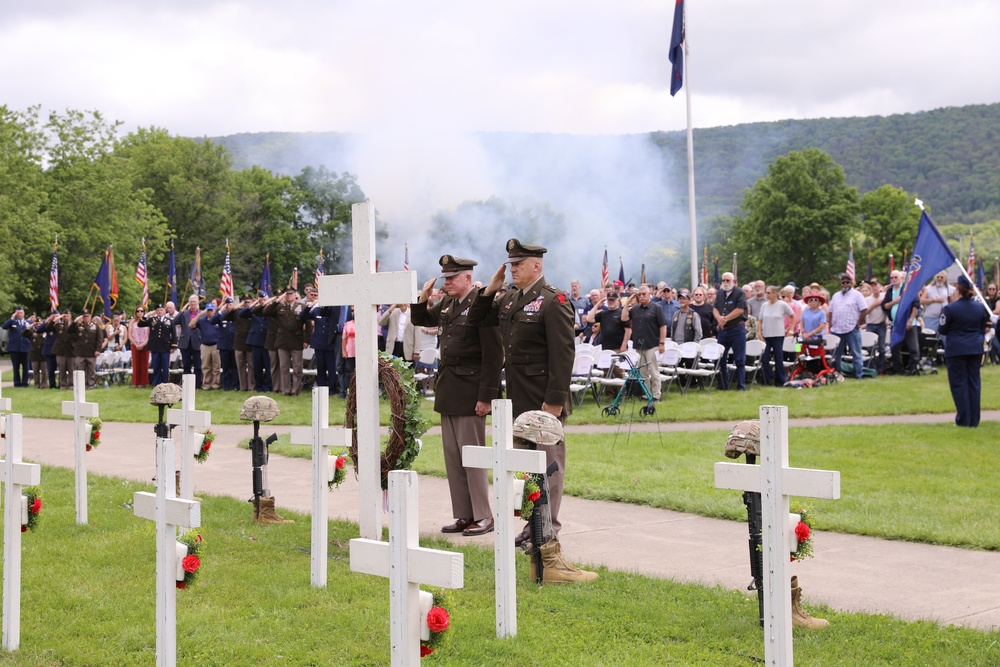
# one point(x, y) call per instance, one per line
point(523, 537)
point(457, 527)
point(480, 527)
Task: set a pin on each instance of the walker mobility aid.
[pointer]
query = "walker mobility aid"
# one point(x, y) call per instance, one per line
point(632, 379)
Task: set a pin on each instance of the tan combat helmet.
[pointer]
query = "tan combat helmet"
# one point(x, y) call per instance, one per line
point(259, 409)
point(744, 439)
point(166, 393)
point(539, 427)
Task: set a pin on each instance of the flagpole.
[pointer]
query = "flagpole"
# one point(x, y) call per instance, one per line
point(690, 156)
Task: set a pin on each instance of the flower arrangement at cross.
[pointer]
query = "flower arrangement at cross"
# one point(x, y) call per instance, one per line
point(803, 535)
point(95, 433)
point(191, 563)
point(438, 621)
point(208, 437)
point(32, 500)
point(531, 493)
point(339, 471)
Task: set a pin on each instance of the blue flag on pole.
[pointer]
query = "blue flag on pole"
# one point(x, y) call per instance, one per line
point(172, 275)
point(264, 289)
point(930, 255)
point(677, 49)
point(980, 274)
point(103, 285)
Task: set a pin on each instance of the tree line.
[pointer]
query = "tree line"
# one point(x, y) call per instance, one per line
point(71, 177)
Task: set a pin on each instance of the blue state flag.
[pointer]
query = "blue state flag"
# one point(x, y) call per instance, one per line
point(677, 49)
point(172, 275)
point(264, 288)
point(930, 255)
point(103, 285)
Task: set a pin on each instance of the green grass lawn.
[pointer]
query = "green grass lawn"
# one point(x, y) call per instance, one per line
point(882, 396)
point(88, 599)
point(917, 482)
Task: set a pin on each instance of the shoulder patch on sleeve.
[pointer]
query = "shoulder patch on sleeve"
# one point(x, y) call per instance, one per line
point(561, 297)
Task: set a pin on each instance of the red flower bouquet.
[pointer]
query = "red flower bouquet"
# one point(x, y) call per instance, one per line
point(803, 535)
point(339, 471)
point(206, 444)
point(191, 563)
point(438, 621)
point(531, 493)
point(95, 433)
point(33, 501)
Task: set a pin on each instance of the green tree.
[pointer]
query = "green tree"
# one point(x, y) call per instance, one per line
point(889, 221)
point(326, 210)
point(796, 222)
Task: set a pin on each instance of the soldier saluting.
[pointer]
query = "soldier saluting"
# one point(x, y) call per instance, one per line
point(468, 380)
point(536, 331)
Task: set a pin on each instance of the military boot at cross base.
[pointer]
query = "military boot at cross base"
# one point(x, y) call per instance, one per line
point(800, 617)
point(555, 569)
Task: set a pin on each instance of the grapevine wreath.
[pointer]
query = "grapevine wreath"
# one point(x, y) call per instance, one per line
point(395, 379)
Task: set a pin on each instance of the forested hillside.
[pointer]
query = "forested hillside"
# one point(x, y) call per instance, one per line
point(950, 157)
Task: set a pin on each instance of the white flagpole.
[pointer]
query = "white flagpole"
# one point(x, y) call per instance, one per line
point(690, 156)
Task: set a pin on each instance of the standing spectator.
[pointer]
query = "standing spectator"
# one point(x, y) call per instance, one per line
point(700, 305)
point(88, 342)
point(227, 344)
point(189, 339)
point(670, 306)
point(813, 318)
point(396, 319)
point(686, 325)
point(241, 346)
point(116, 334)
point(614, 333)
point(211, 365)
point(730, 314)
point(936, 296)
point(468, 380)
point(847, 313)
point(63, 348)
point(772, 331)
point(875, 322)
point(890, 305)
point(536, 330)
point(964, 322)
point(257, 339)
point(138, 337)
point(649, 333)
point(48, 348)
point(581, 304)
point(289, 342)
point(322, 341)
point(349, 351)
point(162, 334)
point(758, 299)
point(787, 295)
point(36, 356)
point(18, 345)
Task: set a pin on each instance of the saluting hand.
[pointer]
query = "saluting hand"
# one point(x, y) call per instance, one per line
point(425, 293)
point(496, 282)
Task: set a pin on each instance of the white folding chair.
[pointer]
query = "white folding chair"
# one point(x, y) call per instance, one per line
point(755, 349)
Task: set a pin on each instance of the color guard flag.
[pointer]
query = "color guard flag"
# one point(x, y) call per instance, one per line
point(677, 49)
point(195, 281)
point(172, 275)
point(605, 274)
point(103, 285)
point(971, 266)
point(226, 284)
point(54, 279)
point(264, 288)
point(406, 257)
point(850, 263)
point(930, 255)
point(319, 267)
point(140, 275)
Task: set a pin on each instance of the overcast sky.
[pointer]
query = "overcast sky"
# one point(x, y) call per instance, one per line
point(417, 78)
point(210, 68)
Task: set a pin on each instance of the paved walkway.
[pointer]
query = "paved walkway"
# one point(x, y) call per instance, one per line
point(850, 573)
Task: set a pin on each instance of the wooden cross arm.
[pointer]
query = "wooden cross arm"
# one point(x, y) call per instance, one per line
point(180, 512)
point(802, 482)
point(196, 418)
point(368, 289)
point(25, 474)
point(333, 436)
point(524, 460)
point(86, 409)
point(431, 567)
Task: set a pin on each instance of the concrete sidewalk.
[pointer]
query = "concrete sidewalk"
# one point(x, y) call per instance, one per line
point(850, 573)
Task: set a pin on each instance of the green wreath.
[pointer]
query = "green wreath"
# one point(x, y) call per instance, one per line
point(406, 425)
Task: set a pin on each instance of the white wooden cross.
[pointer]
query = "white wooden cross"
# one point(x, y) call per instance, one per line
point(322, 437)
point(82, 412)
point(505, 461)
point(775, 481)
point(169, 513)
point(365, 290)
point(14, 474)
point(407, 565)
point(4, 402)
point(188, 419)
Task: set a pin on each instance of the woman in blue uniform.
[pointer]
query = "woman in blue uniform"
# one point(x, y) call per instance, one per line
point(964, 322)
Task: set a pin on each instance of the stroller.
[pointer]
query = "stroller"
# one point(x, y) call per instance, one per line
point(632, 379)
point(811, 358)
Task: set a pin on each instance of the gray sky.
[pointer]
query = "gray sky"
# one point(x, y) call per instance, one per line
point(213, 68)
point(417, 79)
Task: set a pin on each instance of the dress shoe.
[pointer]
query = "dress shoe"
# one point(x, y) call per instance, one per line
point(480, 527)
point(457, 527)
point(522, 538)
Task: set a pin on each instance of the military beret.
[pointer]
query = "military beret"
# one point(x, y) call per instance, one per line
point(964, 282)
point(516, 251)
point(452, 266)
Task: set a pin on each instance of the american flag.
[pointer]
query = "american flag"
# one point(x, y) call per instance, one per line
point(971, 268)
point(319, 267)
point(406, 257)
point(140, 275)
point(54, 279)
point(605, 274)
point(226, 284)
point(850, 263)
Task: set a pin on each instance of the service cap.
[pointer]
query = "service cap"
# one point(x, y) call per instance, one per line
point(516, 251)
point(452, 266)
